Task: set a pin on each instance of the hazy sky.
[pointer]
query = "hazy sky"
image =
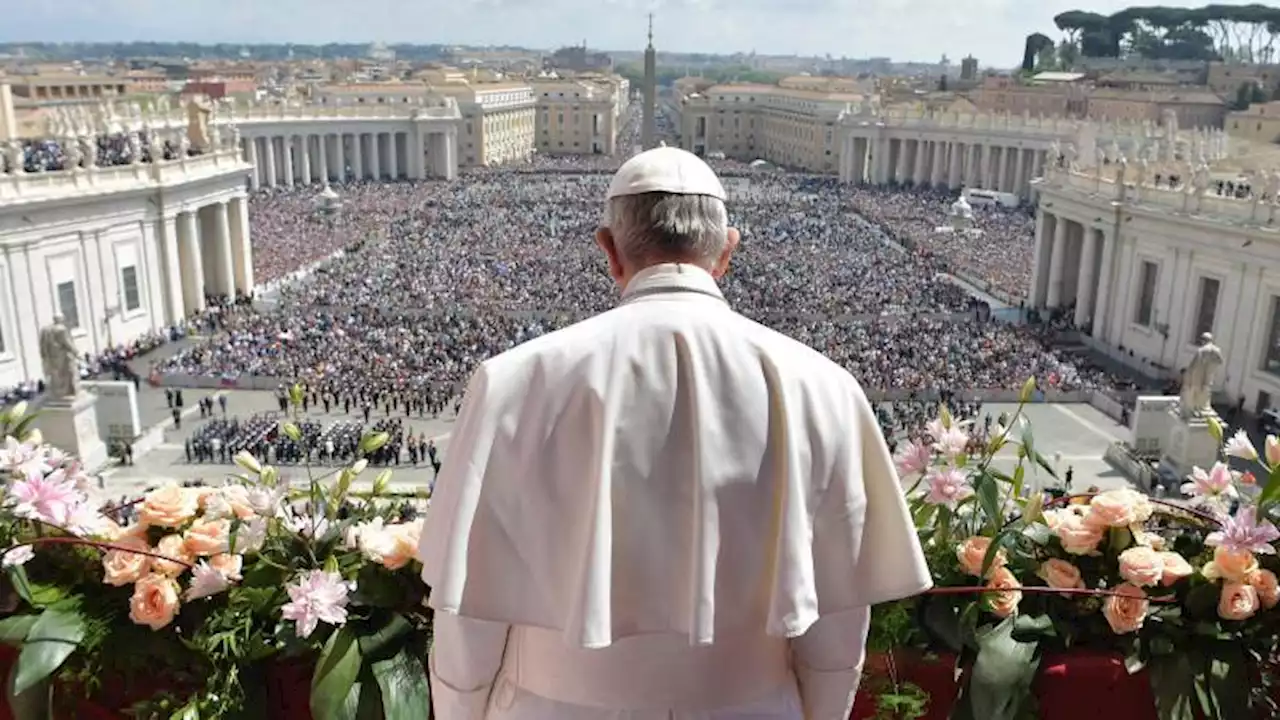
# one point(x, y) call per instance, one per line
point(992, 30)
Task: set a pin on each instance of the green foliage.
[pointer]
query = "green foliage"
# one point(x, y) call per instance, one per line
point(1214, 32)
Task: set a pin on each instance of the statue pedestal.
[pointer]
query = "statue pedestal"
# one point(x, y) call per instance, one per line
point(1190, 444)
point(71, 424)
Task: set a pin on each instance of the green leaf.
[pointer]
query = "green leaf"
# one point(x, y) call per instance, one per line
point(1028, 628)
point(403, 680)
point(997, 544)
point(1172, 683)
point(21, 585)
point(14, 630)
point(1228, 681)
point(54, 635)
point(940, 616)
point(999, 686)
point(336, 672)
point(1270, 492)
point(989, 500)
point(375, 644)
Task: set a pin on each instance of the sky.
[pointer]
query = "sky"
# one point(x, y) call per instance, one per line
point(991, 30)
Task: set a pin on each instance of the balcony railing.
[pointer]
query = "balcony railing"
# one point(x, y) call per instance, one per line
point(18, 187)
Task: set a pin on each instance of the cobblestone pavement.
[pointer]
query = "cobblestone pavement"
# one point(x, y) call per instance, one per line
point(1078, 433)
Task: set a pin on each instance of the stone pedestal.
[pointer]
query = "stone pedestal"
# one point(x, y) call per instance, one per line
point(71, 425)
point(1190, 444)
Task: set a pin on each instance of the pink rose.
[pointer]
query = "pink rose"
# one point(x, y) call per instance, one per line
point(1176, 568)
point(1118, 508)
point(170, 507)
point(1079, 537)
point(973, 551)
point(1127, 609)
point(1141, 566)
point(172, 546)
point(121, 567)
point(1239, 601)
point(154, 602)
point(1264, 581)
point(1060, 574)
point(208, 537)
point(1004, 603)
point(1230, 565)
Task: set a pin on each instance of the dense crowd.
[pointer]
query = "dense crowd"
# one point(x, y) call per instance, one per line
point(998, 256)
point(432, 278)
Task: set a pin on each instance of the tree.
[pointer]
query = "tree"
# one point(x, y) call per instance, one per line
point(1036, 43)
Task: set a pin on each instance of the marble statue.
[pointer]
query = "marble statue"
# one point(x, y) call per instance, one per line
point(1197, 380)
point(135, 148)
point(1069, 155)
point(17, 157)
point(1201, 178)
point(89, 149)
point(1272, 188)
point(1144, 168)
point(1122, 170)
point(198, 111)
point(71, 152)
point(1055, 153)
point(59, 359)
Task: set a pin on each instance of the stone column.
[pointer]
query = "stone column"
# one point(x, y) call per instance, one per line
point(241, 248)
point(901, 169)
point(304, 145)
point(939, 162)
point(192, 263)
point(972, 172)
point(953, 167)
point(286, 143)
point(1039, 278)
point(1086, 293)
point(324, 158)
point(1102, 308)
point(251, 157)
point(375, 156)
point(222, 250)
point(1057, 262)
point(340, 150)
point(168, 231)
point(1007, 167)
point(451, 154)
point(357, 155)
point(1020, 173)
point(268, 144)
point(393, 150)
point(921, 154)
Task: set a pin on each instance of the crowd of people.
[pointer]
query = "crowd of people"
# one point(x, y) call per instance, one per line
point(998, 256)
point(48, 155)
point(408, 286)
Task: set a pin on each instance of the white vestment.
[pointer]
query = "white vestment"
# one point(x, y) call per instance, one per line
point(667, 510)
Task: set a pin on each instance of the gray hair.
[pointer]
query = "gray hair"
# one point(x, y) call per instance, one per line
point(656, 227)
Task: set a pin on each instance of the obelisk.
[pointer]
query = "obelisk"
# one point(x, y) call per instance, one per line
point(647, 126)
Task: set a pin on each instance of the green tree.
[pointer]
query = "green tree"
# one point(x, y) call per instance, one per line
point(1035, 44)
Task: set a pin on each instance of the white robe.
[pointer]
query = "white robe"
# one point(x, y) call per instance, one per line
point(667, 477)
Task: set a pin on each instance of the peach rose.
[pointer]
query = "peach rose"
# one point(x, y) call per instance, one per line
point(1060, 574)
point(1264, 581)
point(1141, 566)
point(1127, 609)
point(1151, 540)
point(208, 537)
point(1118, 508)
point(1176, 568)
point(121, 567)
point(229, 565)
point(1239, 601)
point(172, 546)
point(1004, 603)
point(1229, 565)
point(154, 601)
point(973, 551)
point(1079, 537)
point(170, 507)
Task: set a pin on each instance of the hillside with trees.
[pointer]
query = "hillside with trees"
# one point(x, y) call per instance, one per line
point(1237, 33)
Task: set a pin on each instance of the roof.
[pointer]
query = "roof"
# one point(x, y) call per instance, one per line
point(1057, 77)
point(775, 90)
point(1189, 96)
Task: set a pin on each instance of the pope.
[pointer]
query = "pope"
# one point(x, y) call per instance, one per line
point(667, 510)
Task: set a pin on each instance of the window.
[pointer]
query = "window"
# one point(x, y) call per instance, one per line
point(67, 304)
point(129, 284)
point(1147, 294)
point(1271, 358)
point(1207, 309)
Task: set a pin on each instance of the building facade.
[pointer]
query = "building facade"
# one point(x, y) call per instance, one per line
point(576, 116)
point(1145, 270)
point(118, 251)
point(1258, 123)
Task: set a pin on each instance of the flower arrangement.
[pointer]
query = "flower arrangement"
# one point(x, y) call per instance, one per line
point(1186, 590)
point(214, 585)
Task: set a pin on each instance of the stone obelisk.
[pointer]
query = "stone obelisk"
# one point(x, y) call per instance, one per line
point(647, 126)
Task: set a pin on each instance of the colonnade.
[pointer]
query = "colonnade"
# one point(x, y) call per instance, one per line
point(302, 158)
point(1074, 263)
point(205, 251)
point(987, 164)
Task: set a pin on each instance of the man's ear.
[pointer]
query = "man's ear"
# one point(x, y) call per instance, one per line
point(731, 240)
point(604, 238)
